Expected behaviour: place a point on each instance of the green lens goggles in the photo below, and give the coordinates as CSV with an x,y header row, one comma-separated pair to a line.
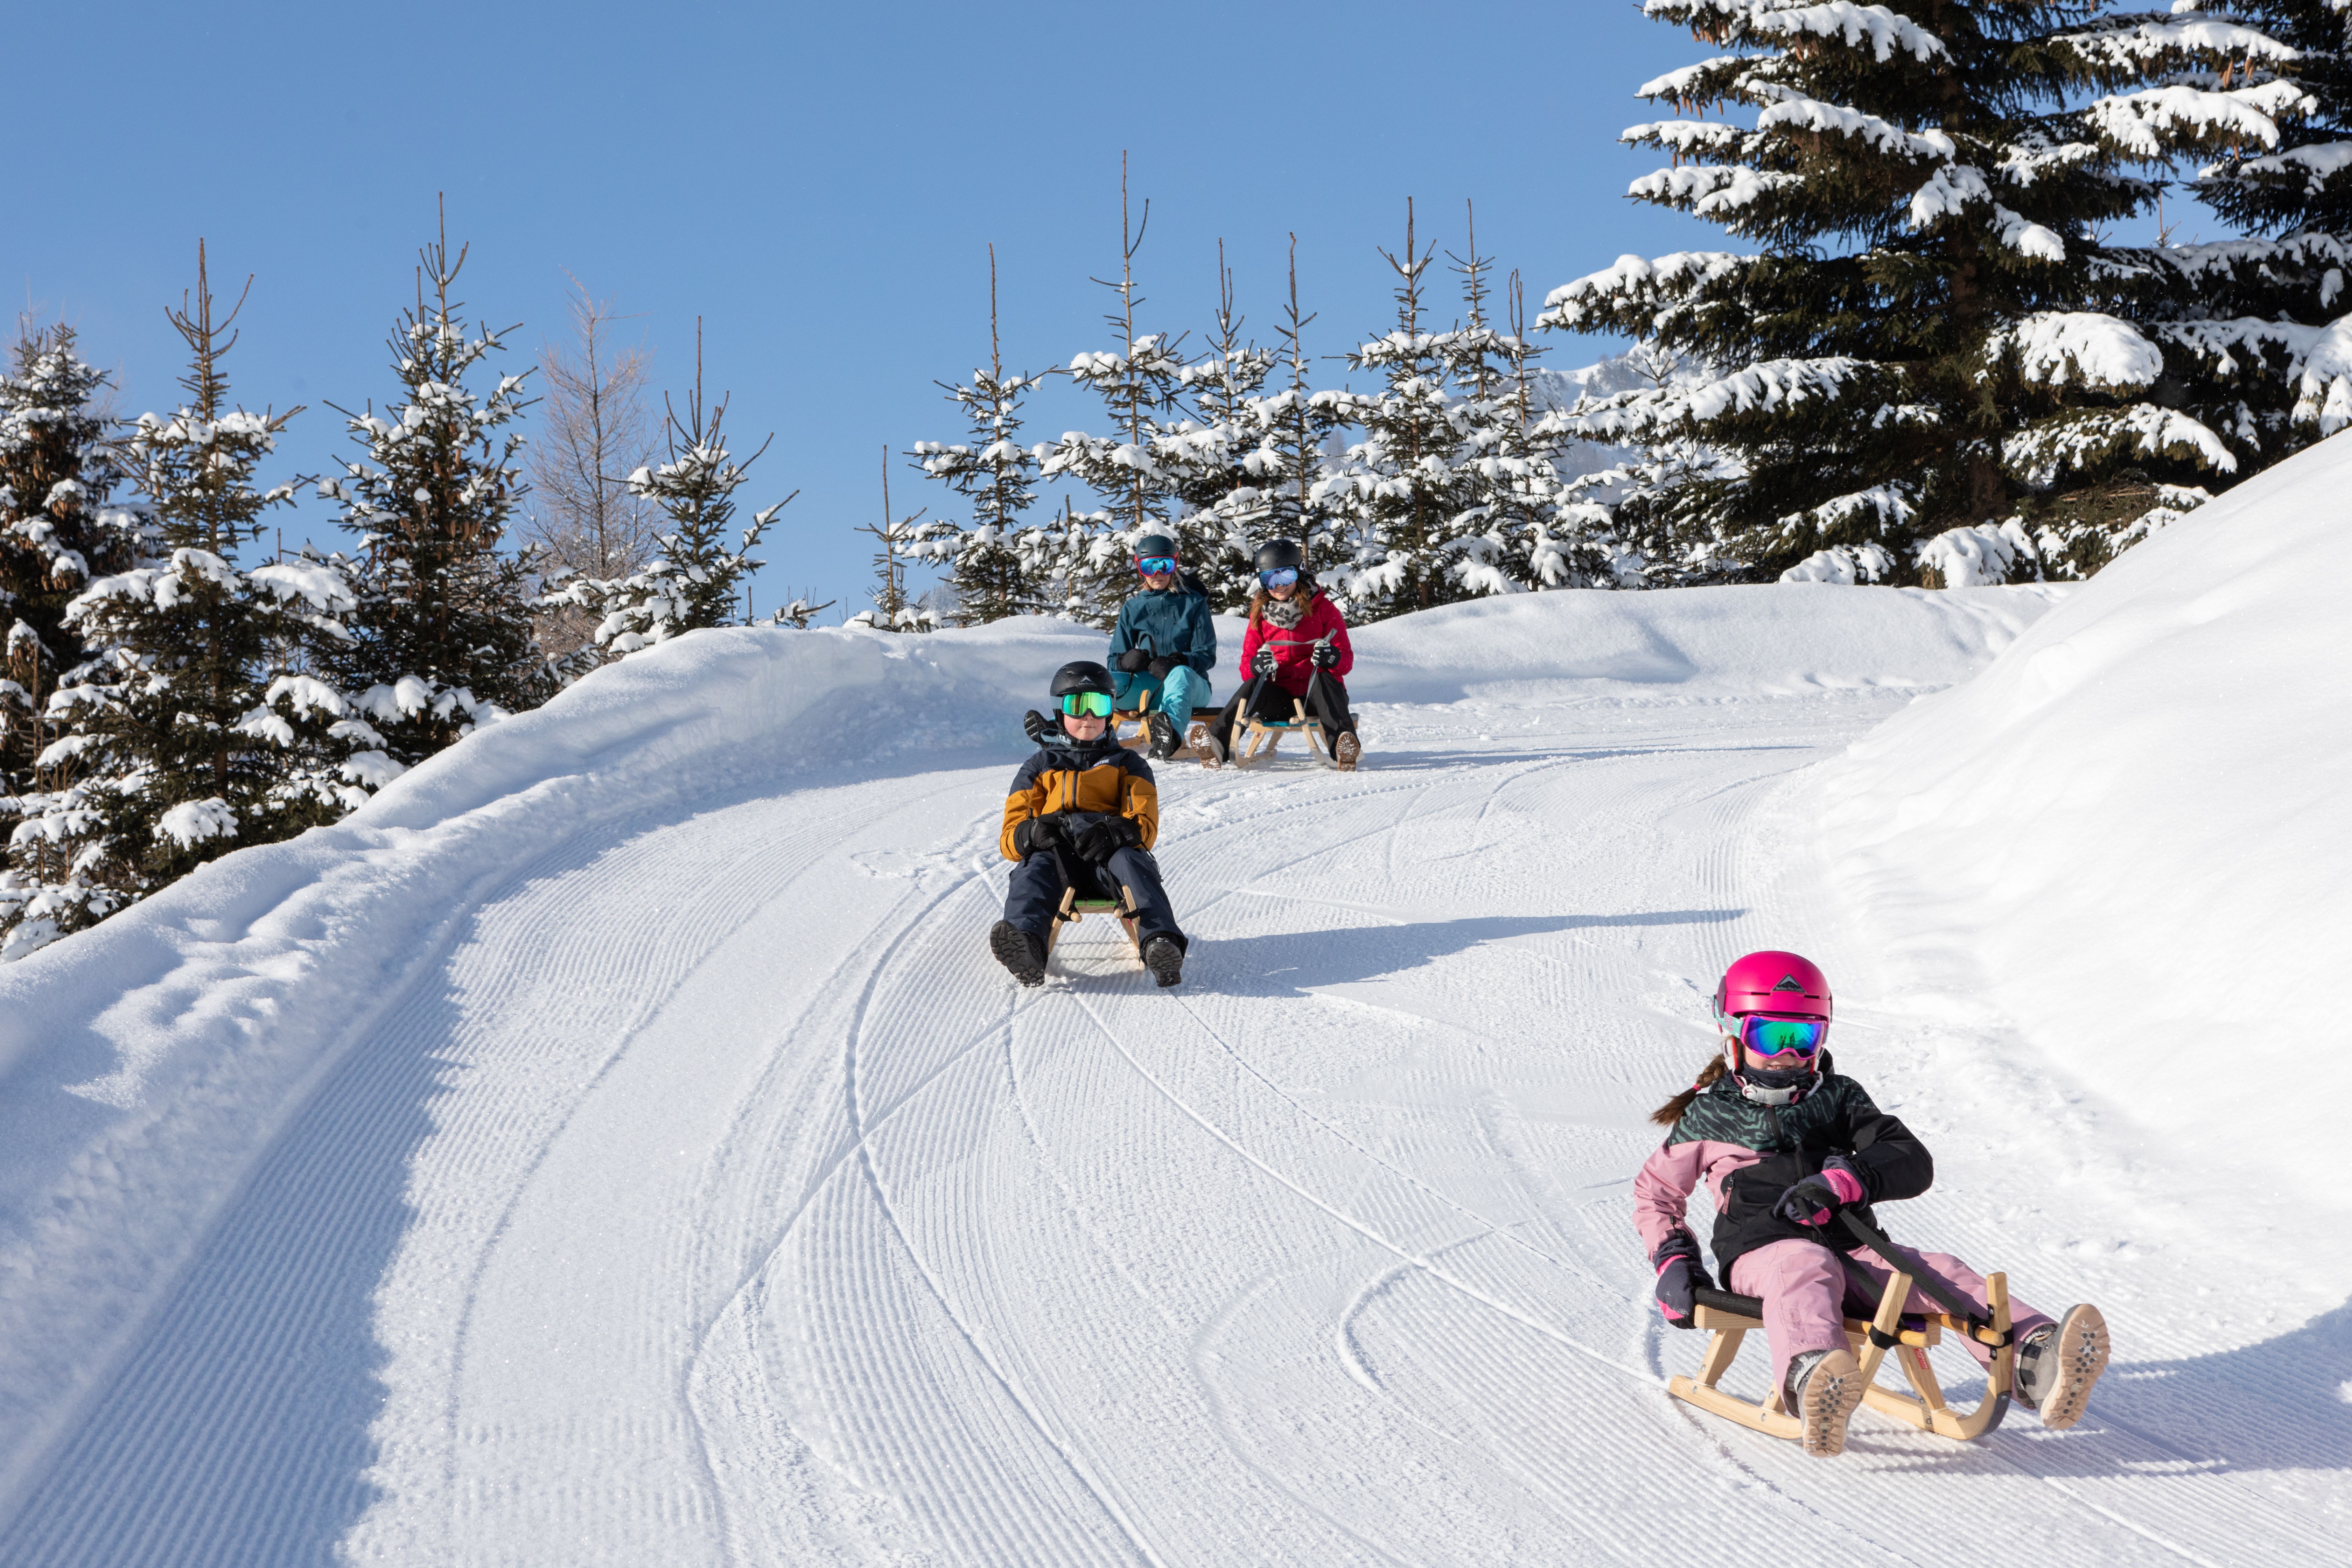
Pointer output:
x,y
1086,705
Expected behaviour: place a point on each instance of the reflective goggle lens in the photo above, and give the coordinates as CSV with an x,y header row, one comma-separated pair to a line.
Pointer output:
x,y
1155,565
1773,1037
1282,578
1086,705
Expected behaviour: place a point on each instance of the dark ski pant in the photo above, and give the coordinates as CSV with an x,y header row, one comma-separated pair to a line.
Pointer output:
x,y
1037,884
1326,704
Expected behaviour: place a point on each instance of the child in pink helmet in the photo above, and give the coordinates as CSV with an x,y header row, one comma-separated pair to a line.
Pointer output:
x,y
1783,1143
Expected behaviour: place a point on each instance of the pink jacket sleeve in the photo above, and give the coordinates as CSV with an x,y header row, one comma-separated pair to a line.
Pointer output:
x,y
1661,1192
1338,629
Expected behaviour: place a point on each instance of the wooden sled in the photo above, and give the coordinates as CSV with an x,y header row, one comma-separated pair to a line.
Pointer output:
x,y
1075,908
1254,740
1909,1336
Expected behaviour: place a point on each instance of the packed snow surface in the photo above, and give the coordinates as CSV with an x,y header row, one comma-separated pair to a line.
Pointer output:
x,y
615,1145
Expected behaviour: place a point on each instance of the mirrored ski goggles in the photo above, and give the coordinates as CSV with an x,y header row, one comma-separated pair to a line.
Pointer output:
x,y
1281,578
1775,1036
1155,565
1087,705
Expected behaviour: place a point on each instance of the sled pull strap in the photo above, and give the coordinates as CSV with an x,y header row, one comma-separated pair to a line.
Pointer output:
x,y
1870,1236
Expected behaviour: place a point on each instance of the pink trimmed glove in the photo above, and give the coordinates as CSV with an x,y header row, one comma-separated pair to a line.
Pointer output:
x,y
1680,1273
1813,1200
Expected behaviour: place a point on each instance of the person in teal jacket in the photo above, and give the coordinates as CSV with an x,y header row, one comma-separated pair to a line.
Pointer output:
x,y
1164,644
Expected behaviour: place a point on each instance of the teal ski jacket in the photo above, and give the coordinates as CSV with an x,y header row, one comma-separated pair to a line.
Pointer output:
x,y
1173,622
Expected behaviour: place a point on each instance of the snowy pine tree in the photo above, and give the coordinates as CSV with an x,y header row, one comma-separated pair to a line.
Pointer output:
x,y
1935,364
996,566
442,637
1291,428
57,469
1228,508
1139,471
698,577
188,733
1413,529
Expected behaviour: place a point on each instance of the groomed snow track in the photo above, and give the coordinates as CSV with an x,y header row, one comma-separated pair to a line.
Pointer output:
x,y
634,1156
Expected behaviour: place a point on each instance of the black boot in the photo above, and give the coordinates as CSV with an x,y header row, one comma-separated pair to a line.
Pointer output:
x,y
1163,735
1164,956
1019,952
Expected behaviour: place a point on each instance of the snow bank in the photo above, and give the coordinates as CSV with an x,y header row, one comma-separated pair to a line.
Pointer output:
x,y
2129,835
1773,638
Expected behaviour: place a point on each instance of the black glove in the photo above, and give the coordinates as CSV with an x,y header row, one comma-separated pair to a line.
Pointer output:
x,y
1134,659
1818,1197
1040,834
1159,667
1680,1274
1264,663
1034,724
1326,656
1099,841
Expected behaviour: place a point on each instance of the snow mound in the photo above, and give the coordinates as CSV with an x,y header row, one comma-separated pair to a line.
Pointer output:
x,y
1773,638
2127,834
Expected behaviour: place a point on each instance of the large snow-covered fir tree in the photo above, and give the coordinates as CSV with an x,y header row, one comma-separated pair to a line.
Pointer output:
x,y
190,730
996,566
1935,369
442,638
57,469
696,581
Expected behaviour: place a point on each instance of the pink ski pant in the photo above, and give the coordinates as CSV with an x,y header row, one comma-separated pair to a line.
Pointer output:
x,y
1807,1294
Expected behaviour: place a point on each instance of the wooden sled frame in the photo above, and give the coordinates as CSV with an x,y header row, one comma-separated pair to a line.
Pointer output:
x,y
1909,1337
1075,910
1249,734
1140,717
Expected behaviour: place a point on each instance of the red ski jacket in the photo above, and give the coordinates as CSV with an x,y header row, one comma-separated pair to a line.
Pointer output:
x,y
1294,647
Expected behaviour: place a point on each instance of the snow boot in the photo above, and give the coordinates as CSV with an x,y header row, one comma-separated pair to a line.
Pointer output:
x,y
1824,1388
1163,735
2057,1365
1164,956
1209,742
1345,750
1019,952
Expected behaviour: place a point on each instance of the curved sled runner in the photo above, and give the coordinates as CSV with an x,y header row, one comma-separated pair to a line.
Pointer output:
x,y
1908,1335
1254,740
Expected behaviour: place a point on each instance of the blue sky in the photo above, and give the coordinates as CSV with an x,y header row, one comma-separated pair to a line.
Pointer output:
x,y
819,183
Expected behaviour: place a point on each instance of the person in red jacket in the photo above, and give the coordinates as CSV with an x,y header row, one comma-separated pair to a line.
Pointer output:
x,y
1296,646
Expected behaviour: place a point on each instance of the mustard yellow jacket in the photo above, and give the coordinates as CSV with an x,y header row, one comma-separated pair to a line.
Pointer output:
x,y
1089,778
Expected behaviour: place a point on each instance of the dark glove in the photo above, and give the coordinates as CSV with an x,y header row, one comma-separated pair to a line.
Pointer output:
x,y
1680,1274
1040,833
1262,664
1326,656
1099,841
1818,1197
1034,724
1134,659
1159,667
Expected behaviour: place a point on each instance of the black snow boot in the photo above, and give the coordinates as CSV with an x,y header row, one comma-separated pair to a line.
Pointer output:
x,y
1163,736
1019,952
1164,956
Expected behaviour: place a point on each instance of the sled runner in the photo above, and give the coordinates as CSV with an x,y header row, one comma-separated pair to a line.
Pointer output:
x,y
1242,747
1908,1336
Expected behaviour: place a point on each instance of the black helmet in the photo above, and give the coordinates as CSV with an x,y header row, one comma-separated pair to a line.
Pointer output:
x,y
1155,544
1277,553
1082,675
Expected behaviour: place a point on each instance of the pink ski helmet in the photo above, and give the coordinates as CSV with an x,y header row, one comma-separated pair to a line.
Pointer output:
x,y
1783,985
1773,982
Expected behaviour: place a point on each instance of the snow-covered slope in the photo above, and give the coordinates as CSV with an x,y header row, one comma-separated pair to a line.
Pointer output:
x,y
2131,834
614,1145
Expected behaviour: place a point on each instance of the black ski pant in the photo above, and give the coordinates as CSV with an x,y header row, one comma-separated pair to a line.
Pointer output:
x,y
1326,704
1037,883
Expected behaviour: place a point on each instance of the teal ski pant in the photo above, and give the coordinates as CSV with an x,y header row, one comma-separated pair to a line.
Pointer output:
x,y
1182,689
